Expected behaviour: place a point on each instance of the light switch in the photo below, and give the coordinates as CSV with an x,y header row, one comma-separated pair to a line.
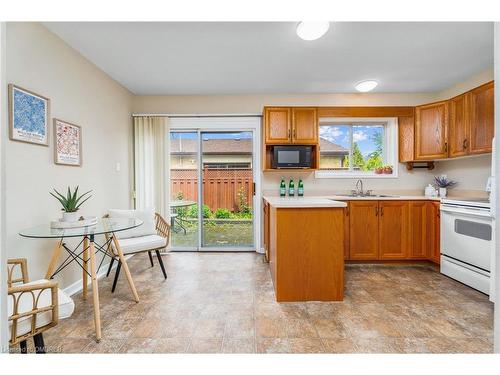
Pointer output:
x,y
118,166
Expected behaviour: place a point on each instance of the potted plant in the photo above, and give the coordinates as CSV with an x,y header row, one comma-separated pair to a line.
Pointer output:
x,y
443,183
387,169
71,203
379,170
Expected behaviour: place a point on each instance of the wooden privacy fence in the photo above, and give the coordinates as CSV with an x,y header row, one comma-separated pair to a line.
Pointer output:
x,y
220,186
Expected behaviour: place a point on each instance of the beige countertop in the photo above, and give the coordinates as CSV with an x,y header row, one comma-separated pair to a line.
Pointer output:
x,y
334,200
306,202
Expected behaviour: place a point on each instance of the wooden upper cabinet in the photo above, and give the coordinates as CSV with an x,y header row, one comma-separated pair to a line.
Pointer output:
x,y
431,131
277,125
393,229
304,125
419,231
363,226
459,126
481,120
406,138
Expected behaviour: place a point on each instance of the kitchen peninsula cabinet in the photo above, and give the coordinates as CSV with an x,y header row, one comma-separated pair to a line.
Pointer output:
x,y
306,249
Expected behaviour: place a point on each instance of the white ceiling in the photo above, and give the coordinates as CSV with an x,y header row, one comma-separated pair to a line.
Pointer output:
x,y
256,57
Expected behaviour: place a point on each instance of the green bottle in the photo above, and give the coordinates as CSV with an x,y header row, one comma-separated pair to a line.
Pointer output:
x,y
300,189
282,188
291,188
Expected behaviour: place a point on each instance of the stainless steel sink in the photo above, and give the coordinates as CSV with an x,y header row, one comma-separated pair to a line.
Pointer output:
x,y
369,196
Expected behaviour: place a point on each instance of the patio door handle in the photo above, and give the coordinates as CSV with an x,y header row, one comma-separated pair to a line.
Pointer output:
x,y
253,188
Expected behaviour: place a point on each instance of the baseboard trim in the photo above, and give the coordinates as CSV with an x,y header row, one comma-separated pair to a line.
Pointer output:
x,y
77,286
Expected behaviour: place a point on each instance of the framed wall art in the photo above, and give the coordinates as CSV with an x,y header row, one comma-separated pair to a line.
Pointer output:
x,y
29,115
67,143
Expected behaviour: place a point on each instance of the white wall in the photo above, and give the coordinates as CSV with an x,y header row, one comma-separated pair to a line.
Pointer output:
x,y
82,94
471,173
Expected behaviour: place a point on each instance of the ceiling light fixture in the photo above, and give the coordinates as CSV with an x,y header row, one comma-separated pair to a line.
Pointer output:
x,y
312,30
365,86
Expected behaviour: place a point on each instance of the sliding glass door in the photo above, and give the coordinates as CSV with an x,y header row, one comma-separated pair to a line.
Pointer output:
x,y
212,190
184,172
227,190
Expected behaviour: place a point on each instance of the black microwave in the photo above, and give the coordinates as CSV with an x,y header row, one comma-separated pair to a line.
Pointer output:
x,y
292,156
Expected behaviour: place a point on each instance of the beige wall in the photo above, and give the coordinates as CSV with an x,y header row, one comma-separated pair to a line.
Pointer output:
x,y
471,173
82,94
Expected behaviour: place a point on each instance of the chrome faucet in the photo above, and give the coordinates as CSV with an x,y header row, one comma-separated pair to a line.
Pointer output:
x,y
359,188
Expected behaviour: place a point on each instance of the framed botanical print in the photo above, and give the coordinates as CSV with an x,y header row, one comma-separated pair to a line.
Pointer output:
x,y
29,115
67,143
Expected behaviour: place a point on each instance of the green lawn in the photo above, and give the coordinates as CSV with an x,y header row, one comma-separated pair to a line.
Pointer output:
x,y
236,234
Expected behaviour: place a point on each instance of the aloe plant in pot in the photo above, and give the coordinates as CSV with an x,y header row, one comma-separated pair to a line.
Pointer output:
x,y
71,203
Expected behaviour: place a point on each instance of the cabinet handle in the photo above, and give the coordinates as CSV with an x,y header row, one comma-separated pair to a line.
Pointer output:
x,y
464,145
294,133
381,211
376,211
446,147
289,134
347,211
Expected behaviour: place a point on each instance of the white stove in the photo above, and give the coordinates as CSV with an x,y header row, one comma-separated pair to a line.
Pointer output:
x,y
483,203
467,241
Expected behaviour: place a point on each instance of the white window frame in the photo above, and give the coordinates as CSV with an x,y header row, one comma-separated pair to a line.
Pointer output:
x,y
390,149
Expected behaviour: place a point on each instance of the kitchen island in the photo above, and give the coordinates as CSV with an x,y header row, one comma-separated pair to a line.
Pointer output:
x,y
306,242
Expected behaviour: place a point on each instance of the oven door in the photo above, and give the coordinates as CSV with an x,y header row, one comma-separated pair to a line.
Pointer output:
x,y
466,235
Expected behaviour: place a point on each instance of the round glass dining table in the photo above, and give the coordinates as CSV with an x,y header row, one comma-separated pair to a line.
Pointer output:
x,y
103,226
85,252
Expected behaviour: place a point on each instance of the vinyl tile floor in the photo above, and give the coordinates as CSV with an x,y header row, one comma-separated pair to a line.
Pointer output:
x,y
225,303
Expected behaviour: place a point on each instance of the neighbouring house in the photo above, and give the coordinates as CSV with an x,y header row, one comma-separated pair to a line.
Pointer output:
x,y
333,156
227,153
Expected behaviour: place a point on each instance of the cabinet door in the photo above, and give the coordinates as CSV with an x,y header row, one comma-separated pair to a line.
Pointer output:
x,y
481,121
265,206
459,126
431,131
346,231
304,125
406,139
278,125
435,232
363,234
393,229
419,243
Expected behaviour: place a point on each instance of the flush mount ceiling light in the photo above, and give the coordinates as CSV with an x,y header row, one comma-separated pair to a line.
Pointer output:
x,y
312,30
365,86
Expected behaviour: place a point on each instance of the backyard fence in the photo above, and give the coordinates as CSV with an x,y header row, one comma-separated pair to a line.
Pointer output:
x,y
220,186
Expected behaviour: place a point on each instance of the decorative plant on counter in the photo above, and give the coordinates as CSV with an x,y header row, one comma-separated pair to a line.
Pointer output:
x,y
386,169
71,202
443,183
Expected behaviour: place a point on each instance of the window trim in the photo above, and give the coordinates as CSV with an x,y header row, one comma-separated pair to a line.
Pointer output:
x,y
391,146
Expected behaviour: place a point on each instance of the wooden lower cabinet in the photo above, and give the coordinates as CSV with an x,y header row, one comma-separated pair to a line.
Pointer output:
x,y
347,230
435,232
393,229
419,230
306,253
265,207
363,234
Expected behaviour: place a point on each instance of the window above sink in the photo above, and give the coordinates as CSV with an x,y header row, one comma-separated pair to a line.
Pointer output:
x,y
355,147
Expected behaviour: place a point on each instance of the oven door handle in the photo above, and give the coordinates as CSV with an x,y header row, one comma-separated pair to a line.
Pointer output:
x,y
467,211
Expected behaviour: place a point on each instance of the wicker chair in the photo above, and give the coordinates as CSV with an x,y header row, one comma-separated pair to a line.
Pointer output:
x,y
143,244
33,307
